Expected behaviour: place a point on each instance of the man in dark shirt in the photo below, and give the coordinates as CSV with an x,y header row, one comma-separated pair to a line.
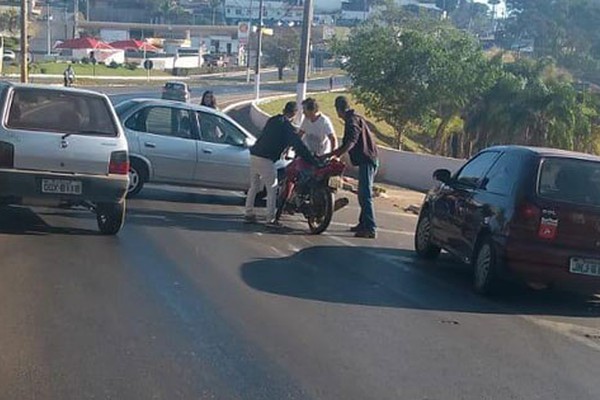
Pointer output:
x,y
360,144
277,135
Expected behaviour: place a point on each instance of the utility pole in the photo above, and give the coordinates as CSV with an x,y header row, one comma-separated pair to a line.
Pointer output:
x,y
248,45
48,28
24,44
258,51
304,52
75,18
87,10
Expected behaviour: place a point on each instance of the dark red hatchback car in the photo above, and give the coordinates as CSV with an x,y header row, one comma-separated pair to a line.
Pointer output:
x,y
518,212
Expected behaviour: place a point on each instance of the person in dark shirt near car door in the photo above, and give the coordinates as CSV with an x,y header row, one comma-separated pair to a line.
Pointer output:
x,y
360,144
277,135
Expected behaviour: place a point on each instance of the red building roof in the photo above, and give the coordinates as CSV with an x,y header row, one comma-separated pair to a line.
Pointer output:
x,y
84,43
133,44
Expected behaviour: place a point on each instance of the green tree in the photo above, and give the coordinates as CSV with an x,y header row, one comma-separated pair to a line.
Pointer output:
x,y
531,105
9,21
472,16
404,74
282,49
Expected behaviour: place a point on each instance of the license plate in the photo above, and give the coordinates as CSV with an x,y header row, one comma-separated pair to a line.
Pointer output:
x,y
585,266
61,186
335,182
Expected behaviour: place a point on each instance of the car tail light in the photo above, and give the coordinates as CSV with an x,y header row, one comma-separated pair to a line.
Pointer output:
x,y
7,155
527,216
529,212
119,163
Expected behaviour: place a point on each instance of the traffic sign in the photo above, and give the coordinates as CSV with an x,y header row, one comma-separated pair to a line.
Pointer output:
x,y
148,65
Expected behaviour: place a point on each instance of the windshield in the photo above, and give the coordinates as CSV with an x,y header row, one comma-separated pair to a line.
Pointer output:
x,y
570,180
175,86
61,112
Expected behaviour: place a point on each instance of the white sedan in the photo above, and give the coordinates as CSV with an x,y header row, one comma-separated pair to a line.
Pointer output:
x,y
180,143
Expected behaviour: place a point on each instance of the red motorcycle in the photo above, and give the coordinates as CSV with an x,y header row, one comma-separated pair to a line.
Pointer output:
x,y
311,191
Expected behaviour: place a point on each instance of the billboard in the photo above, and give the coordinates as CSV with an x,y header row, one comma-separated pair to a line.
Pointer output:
x,y
243,32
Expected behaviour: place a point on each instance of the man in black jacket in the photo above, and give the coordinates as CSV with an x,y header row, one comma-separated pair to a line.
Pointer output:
x,y
360,144
277,135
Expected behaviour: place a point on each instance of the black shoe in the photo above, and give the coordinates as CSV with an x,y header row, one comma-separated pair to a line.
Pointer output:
x,y
366,234
356,228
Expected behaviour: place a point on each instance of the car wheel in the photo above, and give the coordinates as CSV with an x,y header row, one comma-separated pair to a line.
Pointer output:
x,y
110,217
137,178
423,244
485,268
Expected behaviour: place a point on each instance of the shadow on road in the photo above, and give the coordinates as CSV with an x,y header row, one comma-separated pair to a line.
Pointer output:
x,y
384,277
24,221
187,196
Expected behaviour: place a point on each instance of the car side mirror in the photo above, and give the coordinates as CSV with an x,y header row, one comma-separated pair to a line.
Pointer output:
x,y
442,175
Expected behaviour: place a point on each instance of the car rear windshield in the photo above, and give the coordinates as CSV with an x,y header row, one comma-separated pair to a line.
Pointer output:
x,y
175,86
61,112
570,180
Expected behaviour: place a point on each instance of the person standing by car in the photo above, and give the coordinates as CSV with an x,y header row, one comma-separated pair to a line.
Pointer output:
x,y
277,135
317,131
360,144
209,100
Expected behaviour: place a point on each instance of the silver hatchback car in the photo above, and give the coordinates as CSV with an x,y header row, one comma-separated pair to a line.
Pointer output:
x,y
181,143
63,147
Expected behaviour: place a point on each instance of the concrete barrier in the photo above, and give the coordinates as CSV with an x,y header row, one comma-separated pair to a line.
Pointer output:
x,y
412,170
258,117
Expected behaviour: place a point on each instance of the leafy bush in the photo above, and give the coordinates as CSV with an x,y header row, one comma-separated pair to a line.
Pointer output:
x,y
113,65
86,60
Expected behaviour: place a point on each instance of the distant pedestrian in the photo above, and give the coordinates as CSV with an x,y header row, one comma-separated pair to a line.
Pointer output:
x,y
360,144
277,135
69,76
209,100
331,83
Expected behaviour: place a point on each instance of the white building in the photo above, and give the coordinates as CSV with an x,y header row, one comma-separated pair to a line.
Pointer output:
x,y
274,11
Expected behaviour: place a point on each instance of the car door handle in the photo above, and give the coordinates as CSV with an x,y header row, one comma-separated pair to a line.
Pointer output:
x,y
150,144
207,151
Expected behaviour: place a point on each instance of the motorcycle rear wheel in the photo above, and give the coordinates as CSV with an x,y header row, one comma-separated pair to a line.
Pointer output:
x,y
321,204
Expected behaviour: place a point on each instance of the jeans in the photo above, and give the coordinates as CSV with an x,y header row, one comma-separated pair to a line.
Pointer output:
x,y
366,175
262,172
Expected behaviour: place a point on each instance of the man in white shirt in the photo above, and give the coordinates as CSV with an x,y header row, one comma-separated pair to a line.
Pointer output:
x,y
316,130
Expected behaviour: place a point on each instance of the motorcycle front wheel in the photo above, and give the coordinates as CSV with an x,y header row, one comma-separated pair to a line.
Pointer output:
x,y
321,205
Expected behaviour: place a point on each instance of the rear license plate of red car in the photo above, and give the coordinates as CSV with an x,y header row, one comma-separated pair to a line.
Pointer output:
x,y
585,266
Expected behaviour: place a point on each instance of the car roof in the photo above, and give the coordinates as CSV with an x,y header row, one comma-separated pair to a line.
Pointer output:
x,y
52,88
191,106
546,152
175,83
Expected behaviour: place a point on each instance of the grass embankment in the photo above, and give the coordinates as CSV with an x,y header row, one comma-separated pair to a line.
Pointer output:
x,y
384,133
53,68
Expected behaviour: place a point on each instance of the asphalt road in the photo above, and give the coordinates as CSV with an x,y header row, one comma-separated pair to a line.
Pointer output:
x,y
226,89
189,303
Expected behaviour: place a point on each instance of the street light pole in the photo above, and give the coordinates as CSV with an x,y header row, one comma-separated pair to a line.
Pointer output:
x,y
258,51
248,45
304,51
24,44
48,28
